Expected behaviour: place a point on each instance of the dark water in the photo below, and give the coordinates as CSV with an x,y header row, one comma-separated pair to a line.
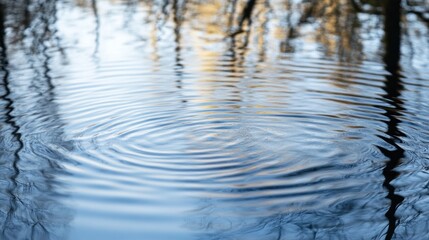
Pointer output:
x,y
214,120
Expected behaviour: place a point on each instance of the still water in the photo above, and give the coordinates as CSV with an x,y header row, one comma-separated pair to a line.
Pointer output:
x,y
213,120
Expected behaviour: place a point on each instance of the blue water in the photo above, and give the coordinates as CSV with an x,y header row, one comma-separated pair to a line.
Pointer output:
x,y
184,120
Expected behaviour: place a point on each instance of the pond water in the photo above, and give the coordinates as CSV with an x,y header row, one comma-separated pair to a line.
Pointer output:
x,y
213,120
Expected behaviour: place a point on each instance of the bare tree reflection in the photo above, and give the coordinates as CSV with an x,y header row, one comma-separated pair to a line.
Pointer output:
x,y
97,26
339,31
393,87
245,16
30,208
11,205
28,204
178,15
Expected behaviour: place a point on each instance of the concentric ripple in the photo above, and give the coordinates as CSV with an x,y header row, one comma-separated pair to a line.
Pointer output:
x,y
153,121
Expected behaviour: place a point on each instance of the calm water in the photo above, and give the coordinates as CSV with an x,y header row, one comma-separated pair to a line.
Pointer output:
x,y
185,120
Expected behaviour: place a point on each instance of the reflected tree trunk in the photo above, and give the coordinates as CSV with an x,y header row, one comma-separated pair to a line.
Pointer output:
x,y
392,37
8,225
178,17
28,209
247,13
246,16
97,26
393,88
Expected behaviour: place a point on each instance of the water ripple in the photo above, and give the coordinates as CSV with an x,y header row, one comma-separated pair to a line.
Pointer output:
x,y
147,122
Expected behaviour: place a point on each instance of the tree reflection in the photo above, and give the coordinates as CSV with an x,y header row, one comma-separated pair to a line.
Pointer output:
x,y
245,28
393,87
339,31
30,206
97,26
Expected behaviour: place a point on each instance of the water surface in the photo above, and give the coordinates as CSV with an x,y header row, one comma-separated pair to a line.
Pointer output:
x,y
213,120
